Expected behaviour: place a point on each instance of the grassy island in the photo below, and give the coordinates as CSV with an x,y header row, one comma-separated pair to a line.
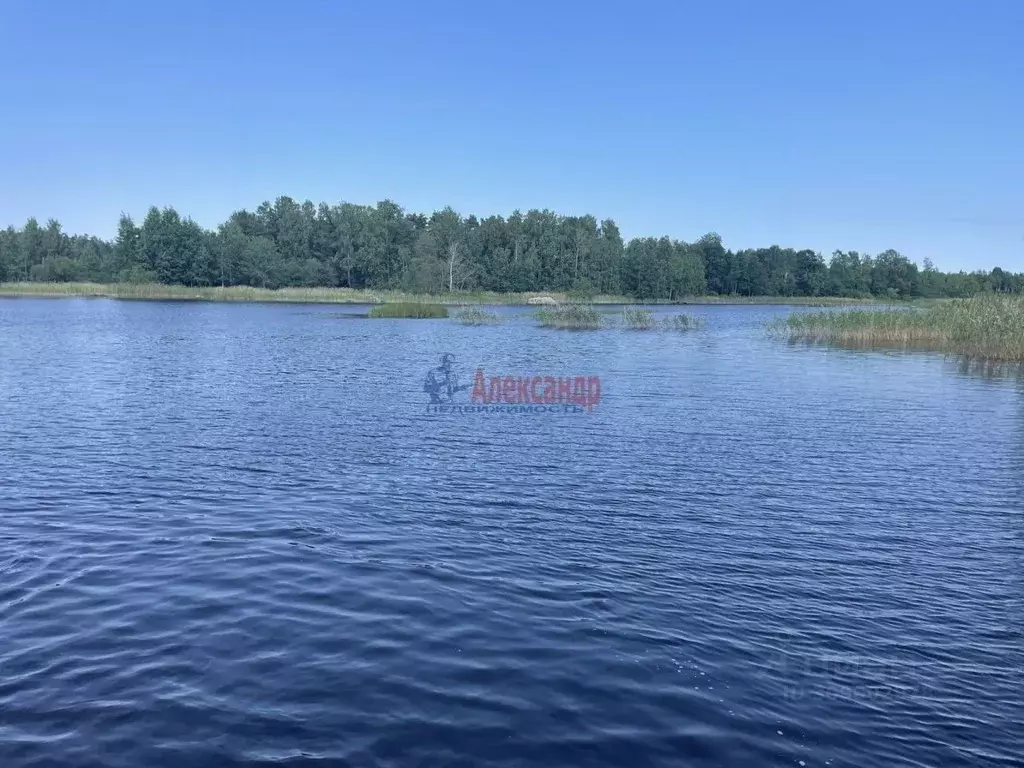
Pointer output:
x,y
570,317
409,309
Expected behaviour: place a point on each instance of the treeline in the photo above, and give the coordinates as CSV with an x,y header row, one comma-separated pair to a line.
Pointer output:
x,y
286,243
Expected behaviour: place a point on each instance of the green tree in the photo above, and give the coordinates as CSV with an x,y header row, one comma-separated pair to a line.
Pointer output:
x,y
53,242
932,282
31,251
126,247
894,275
811,273
382,246
606,272
717,261
10,254
751,276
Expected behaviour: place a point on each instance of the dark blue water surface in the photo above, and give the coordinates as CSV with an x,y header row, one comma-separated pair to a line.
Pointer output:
x,y
233,535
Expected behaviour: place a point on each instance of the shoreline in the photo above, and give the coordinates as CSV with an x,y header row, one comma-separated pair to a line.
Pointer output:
x,y
246,294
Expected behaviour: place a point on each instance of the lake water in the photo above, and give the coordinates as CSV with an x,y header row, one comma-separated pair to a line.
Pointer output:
x,y
233,535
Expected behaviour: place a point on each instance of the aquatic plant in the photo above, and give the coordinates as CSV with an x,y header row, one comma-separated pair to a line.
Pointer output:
x,y
409,309
143,288
681,322
477,316
988,327
638,319
577,317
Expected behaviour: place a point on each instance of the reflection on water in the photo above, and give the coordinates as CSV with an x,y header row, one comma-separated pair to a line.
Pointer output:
x,y
988,369
965,366
234,535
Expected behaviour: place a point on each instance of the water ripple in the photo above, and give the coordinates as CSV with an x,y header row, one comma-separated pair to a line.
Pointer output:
x,y
232,538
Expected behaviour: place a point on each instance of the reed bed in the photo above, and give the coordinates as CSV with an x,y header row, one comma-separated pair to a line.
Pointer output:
x,y
796,301
638,319
572,317
477,316
988,327
409,309
681,322
588,317
161,291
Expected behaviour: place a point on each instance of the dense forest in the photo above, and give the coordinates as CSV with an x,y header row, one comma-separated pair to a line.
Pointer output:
x,y
286,243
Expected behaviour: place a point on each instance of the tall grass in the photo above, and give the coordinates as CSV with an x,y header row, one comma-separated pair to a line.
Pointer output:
x,y
989,327
477,316
575,317
682,322
159,291
638,319
409,309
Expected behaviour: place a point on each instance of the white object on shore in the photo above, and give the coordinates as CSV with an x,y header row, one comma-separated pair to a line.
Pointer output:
x,y
541,300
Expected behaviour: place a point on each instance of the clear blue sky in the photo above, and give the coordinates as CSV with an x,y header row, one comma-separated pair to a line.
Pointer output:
x,y
855,125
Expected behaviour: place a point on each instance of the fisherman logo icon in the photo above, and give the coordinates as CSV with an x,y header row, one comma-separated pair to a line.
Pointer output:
x,y
442,382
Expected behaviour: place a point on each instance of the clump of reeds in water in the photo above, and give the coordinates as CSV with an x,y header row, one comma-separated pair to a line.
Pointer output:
x,y
410,309
638,319
574,317
681,322
988,327
477,316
